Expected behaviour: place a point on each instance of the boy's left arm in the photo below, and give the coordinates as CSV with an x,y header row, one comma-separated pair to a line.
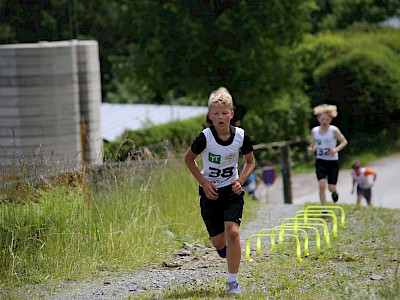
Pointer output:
x,y
342,142
371,172
248,168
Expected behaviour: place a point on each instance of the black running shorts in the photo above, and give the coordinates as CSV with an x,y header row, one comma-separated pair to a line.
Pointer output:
x,y
228,207
327,168
366,193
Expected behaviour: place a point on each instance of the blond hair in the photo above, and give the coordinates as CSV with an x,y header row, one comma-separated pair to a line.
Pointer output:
x,y
330,110
221,96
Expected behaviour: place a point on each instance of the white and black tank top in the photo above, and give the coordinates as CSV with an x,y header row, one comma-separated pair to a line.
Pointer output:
x,y
325,142
220,158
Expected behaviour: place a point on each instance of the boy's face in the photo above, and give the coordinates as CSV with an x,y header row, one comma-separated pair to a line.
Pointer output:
x,y
357,170
220,115
324,119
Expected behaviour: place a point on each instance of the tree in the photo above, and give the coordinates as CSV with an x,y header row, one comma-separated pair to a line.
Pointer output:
x,y
340,14
171,49
188,48
356,71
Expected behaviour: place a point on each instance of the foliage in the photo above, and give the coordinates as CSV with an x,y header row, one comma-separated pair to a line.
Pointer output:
x,y
245,48
244,44
355,71
339,14
178,51
287,119
130,219
176,134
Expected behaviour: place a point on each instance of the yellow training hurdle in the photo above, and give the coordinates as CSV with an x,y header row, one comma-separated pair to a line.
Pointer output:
x,y
318,213
272,235
304,219
331,207
295,223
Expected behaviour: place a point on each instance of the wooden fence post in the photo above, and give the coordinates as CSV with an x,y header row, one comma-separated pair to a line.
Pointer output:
x,y
285,163
286,172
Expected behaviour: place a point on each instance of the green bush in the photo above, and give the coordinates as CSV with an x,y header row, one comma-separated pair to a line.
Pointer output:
x,y
356,72
159,139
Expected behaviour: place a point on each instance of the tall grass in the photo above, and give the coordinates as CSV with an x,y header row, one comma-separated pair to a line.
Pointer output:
x,y
129,217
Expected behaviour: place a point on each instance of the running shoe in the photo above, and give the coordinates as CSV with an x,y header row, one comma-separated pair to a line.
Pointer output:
x,y
232,288
335,197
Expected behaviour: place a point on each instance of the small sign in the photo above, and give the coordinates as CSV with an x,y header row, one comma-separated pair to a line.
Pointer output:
x,y
269,175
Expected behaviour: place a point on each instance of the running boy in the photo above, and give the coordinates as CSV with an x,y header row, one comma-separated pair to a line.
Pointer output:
x,y
221,192
364,185
324,143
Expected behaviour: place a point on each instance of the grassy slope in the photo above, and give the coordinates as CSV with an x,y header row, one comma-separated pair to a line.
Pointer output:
x,y
363,263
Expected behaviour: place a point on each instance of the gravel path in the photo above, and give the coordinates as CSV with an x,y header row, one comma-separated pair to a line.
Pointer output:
x,y
193,264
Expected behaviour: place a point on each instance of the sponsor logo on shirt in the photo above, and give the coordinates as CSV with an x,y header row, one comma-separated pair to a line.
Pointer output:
x,y
230,157
214,158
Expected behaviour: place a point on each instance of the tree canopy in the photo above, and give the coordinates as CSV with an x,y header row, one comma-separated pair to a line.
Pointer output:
x,y
278,58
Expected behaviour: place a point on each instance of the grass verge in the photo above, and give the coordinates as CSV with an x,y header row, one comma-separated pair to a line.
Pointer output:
x,y
363,263
131,218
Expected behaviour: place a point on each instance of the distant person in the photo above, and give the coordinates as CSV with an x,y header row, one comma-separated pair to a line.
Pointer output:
x,y
221,186
361,176
327,141
251,184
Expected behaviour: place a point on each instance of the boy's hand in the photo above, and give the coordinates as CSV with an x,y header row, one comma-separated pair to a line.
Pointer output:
x,y
310,150
237,187
333,151
210,190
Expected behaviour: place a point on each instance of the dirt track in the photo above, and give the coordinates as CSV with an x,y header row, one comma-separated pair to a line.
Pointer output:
x,y
386,192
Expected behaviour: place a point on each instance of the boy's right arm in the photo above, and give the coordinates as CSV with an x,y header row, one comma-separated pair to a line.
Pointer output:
x,y
353,182
311,148
209,189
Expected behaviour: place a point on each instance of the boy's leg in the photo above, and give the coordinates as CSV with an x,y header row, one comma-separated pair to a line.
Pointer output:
x,y
360,194
322,188
333,175
321,171
213,214
219,242
367,195
233,211
359,198
232,233
332,189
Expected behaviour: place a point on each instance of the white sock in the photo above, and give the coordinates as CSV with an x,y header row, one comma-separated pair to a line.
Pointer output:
x,y
232,277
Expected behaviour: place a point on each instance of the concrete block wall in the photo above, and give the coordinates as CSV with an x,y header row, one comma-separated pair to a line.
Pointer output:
x,y
48,90
90,99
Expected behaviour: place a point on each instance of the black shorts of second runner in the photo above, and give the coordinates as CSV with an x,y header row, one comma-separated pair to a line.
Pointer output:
x,y
366,193
228,207
327,168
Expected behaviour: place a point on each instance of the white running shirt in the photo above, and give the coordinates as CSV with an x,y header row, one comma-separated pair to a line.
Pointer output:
x,y
362,178
325,142
220,158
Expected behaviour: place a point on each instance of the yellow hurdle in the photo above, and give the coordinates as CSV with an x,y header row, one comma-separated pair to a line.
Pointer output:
x,y
342,215
306,253
272,235
299,219
317,213
292,227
